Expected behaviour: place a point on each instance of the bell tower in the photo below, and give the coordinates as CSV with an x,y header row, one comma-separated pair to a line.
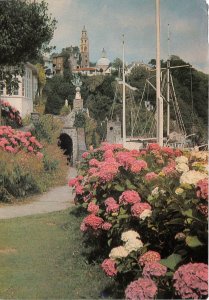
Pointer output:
x,y
84,48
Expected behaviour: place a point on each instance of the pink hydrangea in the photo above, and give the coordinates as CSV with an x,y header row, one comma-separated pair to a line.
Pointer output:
x,y
129,197
138,165
93,171
106,226
167,150
93,208
94,162
141,289
203,209
191,281
85,154
83,227
107,171
39,155
79,189
177,152
72,182
149,256
153,147
154,269
169,169
109,267
108,154
151,176
93,221
138,208
202,189
105,146
111,205
125,159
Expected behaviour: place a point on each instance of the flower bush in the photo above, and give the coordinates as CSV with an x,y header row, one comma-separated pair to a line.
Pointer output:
x,y
26,166
14,141
154,202
10,115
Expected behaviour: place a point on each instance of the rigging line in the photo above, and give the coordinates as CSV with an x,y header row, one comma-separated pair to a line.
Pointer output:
x,y
113,104
147,122
191,92
140,103
180,115
177,108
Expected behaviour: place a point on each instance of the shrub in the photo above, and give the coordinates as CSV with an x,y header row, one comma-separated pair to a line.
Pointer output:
x,y
47,129
148,212
10,115
24,170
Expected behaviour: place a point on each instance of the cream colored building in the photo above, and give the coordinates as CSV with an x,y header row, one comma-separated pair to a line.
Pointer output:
x,y
22,98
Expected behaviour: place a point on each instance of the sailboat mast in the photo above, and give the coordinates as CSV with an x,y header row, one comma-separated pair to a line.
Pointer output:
x,y
168,85
124,97
159,99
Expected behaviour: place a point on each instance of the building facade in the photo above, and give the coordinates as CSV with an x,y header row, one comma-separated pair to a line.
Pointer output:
x,y
22,98
84,49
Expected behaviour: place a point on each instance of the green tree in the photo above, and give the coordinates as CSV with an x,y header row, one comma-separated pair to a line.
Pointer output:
x,y
117,65
41,78
25,32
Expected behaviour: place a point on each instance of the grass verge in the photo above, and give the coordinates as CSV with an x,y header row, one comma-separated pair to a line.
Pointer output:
x,y
41,257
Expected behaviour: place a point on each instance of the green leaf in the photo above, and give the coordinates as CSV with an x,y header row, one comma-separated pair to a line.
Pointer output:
x,y
193,241
187,213
171,261
119,188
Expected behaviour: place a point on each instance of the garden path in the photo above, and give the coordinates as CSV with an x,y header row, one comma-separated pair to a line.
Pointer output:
x,y
56,199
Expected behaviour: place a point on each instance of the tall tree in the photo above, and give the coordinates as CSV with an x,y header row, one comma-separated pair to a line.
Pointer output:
x,y
25,32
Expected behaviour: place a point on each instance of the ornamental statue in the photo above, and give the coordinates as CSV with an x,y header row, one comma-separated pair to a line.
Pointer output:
x,y
76,81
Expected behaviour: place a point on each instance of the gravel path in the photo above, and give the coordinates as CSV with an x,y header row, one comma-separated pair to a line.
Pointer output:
x,y
56,199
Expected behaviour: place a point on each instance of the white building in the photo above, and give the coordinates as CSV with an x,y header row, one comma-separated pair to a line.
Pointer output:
x,y
22,98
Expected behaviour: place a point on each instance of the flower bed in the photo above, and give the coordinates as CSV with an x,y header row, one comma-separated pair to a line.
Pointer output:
x,y
14,141
147,210
10,115
26,166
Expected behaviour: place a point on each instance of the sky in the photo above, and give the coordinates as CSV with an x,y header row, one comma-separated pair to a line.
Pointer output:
x,y
107,20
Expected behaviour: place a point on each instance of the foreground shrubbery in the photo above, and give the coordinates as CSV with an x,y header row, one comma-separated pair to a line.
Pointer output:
x,y
26,165
147,213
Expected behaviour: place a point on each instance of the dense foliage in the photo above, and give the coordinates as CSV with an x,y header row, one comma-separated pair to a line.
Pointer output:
x,y
147,214
25,32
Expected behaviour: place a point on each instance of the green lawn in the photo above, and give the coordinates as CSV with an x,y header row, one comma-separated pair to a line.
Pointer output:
x,y
41,257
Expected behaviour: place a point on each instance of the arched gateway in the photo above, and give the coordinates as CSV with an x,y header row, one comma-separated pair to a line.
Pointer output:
x,y
72,139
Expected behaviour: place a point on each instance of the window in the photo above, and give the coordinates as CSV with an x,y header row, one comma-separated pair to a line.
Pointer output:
x,y
1,88
16,92
23,86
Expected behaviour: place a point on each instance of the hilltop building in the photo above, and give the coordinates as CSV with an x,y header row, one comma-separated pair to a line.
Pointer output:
x,y
103,63
84,49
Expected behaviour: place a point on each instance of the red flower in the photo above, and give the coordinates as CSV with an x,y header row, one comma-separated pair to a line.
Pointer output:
x,y
129,197
93,221
109,268
149,256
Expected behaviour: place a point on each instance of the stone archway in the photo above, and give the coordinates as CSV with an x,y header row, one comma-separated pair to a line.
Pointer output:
x,y
66,143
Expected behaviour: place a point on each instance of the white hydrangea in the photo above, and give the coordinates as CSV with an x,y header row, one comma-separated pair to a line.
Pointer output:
x,y
155,191
118,252
133,245
181,159
182,167
146,213
129,235
192,177
200,155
